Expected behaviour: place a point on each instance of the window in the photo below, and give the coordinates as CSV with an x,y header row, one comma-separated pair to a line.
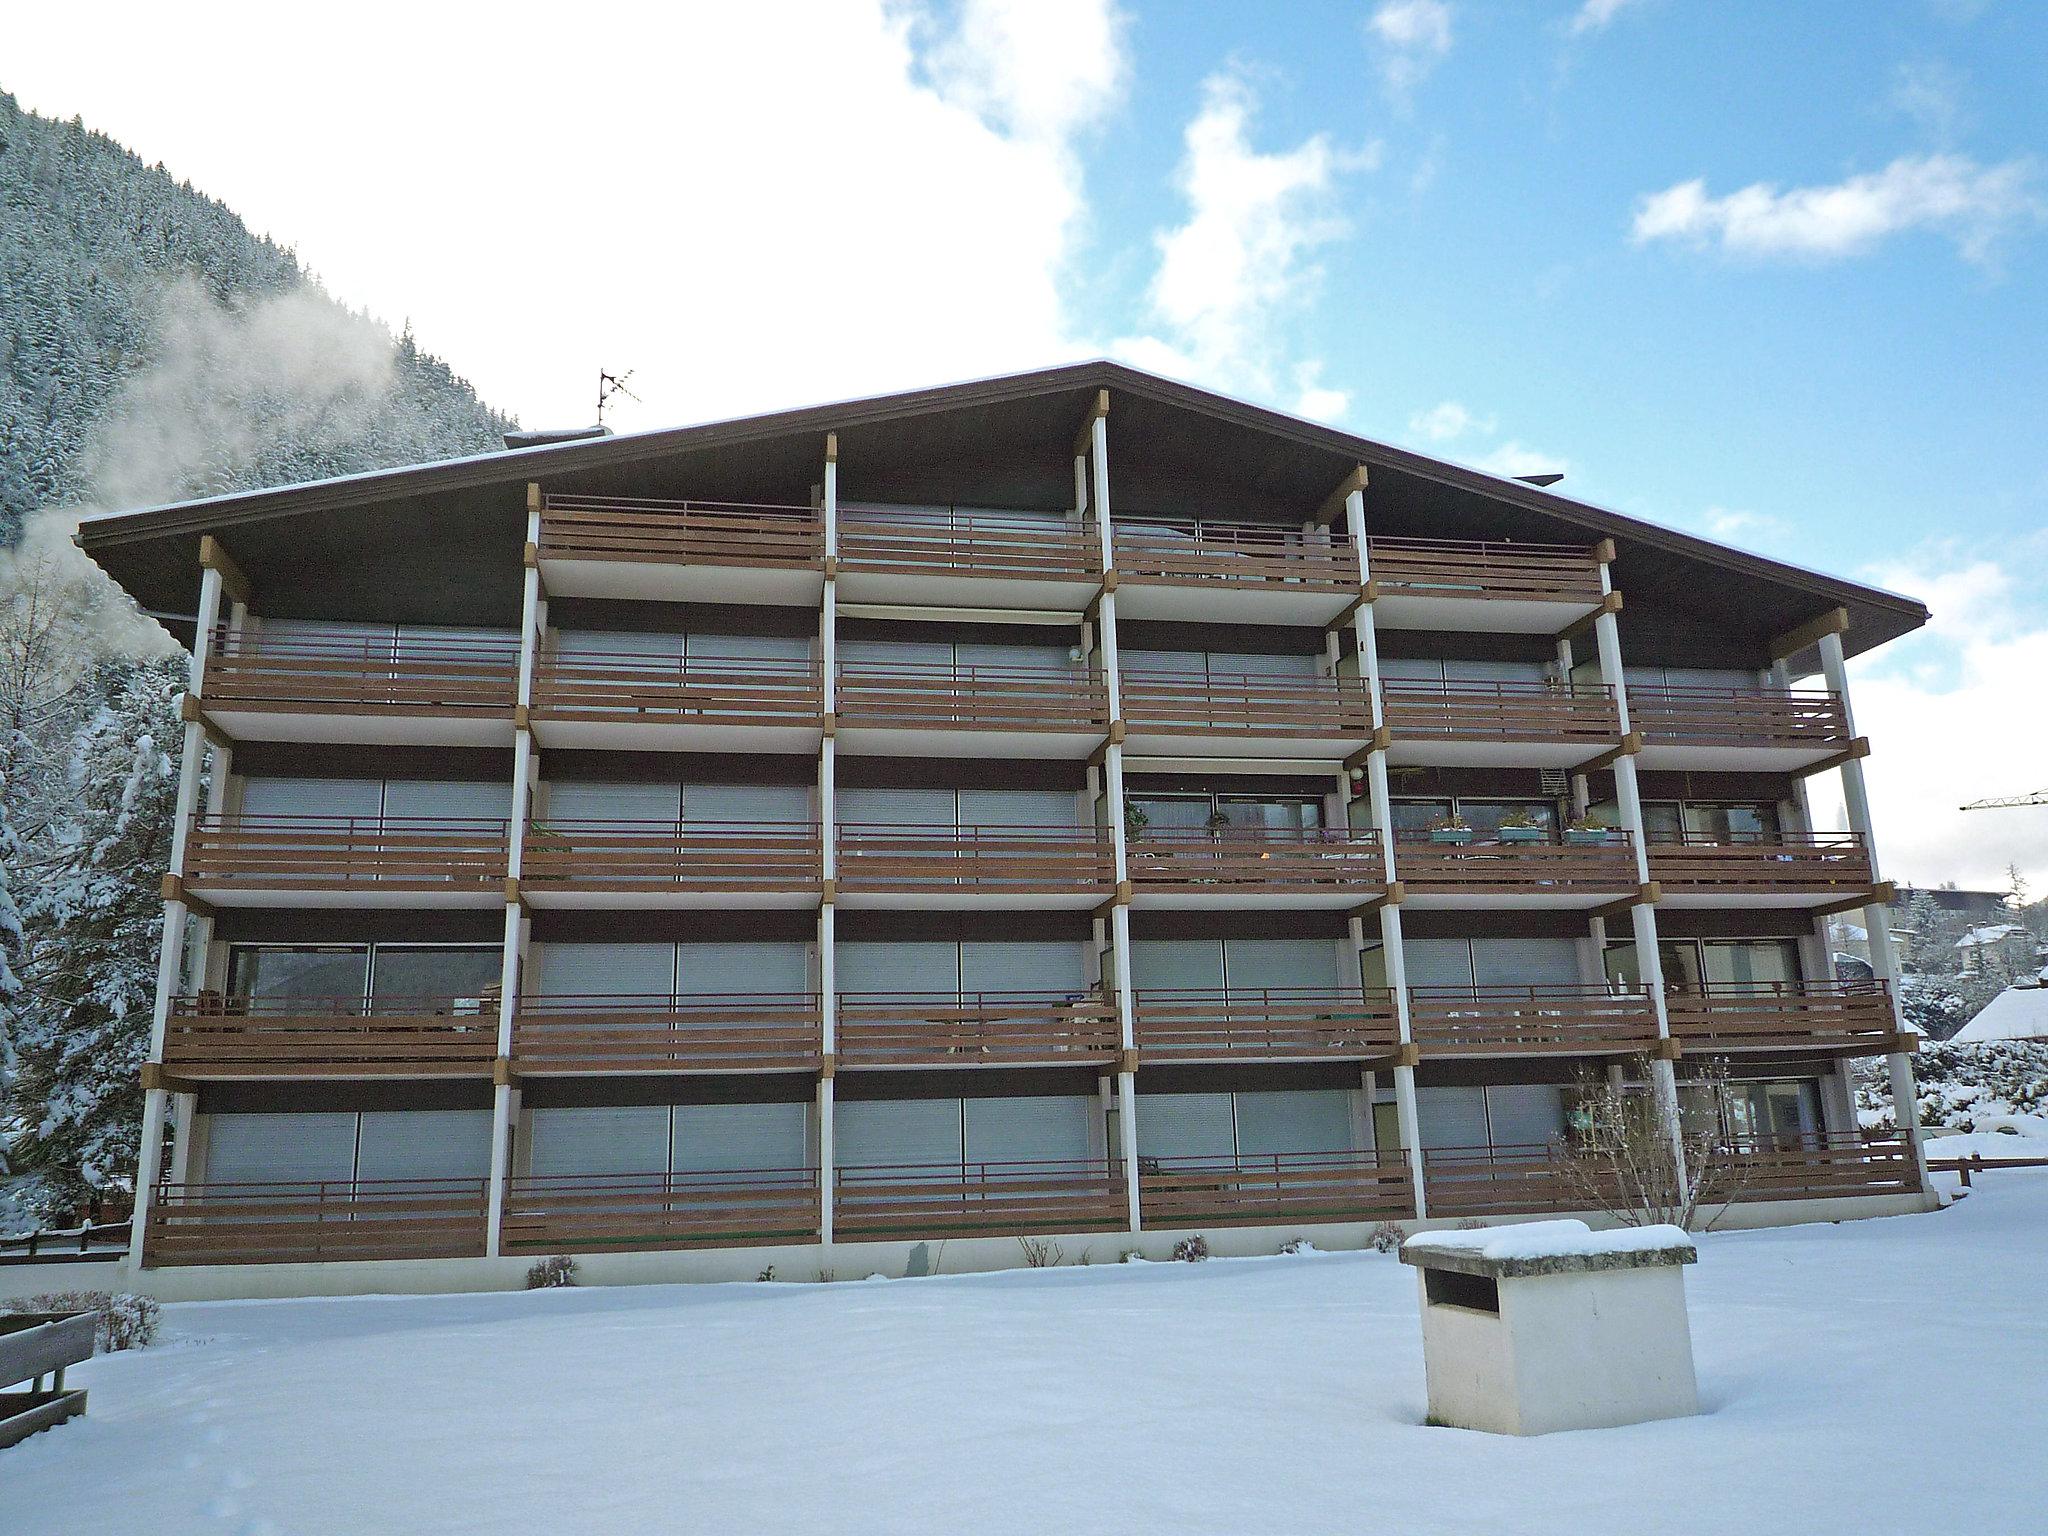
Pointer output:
x,y
355,972
1705,821
1277,814
1696,965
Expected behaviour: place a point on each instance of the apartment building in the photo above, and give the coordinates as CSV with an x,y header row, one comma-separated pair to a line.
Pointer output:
x,y
1067,806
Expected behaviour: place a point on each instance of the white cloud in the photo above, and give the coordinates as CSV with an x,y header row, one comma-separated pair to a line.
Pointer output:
x,y
1930,92
1443,422
1952,716
1315,399
1972,204
1412,36
1736,527
1241,266
1594,15
750,206
1514,458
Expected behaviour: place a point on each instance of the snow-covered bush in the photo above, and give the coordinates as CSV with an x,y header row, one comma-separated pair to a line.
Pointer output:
x,y
122,1320
1971,1087
1385,1237
1296,1247
549,1273
1191,1250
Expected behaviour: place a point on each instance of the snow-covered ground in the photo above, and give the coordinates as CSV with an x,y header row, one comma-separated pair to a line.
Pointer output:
x,y
1875,1376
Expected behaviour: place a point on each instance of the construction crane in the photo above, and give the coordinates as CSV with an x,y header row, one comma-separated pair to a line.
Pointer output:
x,y
2038,797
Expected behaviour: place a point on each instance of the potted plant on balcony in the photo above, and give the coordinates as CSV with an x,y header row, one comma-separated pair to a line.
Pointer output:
x,y
1585,832
1453,829
1522,826
1136,820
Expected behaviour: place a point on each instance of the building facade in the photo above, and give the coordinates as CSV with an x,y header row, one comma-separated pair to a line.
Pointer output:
x,y
1067,810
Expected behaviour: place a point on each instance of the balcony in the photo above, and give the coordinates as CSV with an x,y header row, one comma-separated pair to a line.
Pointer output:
x,y
883,865
214,1038
329,861
613,1213
342,685
981,559
672,864
906,709
1238,866
314,1221
681,551
586,1033
1783,870
1257,1189
976,1029
1435,873
1499,1181
916,1200
1852,1017
1530,1021
1211,1024
1484,723
1244,714
1500,587
1773,730
632,701
1233,572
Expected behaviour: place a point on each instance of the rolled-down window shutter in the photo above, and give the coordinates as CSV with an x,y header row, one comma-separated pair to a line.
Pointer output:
x,y
566,970
768,965
1438,962
1042,965
1282,963
660,803
1185,1125
924,969
621,650
280,1148
1526,962
746,803
1023,1130
453,799
875,1132
1163,965
908,808
1524,1115
1020,808
425,1144
743,1138
1451,1117
312,797
1294,1121
613,1139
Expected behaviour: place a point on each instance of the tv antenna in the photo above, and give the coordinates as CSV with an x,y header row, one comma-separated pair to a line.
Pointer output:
x,y
609,384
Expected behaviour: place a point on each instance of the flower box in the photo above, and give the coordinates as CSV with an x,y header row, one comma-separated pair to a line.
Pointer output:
x,y
1524,834
1586,837
1457,836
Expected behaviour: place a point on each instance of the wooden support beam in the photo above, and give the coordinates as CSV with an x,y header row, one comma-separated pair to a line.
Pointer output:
x,y
1367,596
1391,897
1834,622
1098,411
828,893
1409,1055
1667,1050
213,556
174,890
193,713
1127,1060
828,724
1857,749
1382,738
831,447
533,501
1122,898
1904,1040
530,556
156,1079
1648,894
1879,895
1603,552
1333,504
831,567
828,1066
1628,746
1610,602
505,1072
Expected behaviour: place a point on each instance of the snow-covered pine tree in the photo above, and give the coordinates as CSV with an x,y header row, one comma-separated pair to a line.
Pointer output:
x,y
92,923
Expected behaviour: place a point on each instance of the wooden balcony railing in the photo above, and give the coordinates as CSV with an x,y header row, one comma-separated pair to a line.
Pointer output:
x,y
947,543
1559,573
1246,703
415,854
1738,717
308,1221
343,673
1499,1181
1276,861
1782,1015
881,858
1251,1189
1263,1023
1508,869
900,1029
600,1213
1234,555
630,1032
1468,709
673,857
971,696
945,1199
216,1037
586,685
625,528
1782,864
1548,1020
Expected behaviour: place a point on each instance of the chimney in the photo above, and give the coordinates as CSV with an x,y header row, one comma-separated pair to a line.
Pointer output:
x,y
541,439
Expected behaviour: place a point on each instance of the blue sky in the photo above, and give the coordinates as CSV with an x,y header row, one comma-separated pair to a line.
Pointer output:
x,y
1770,272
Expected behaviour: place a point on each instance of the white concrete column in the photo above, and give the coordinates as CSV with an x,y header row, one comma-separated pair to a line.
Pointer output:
x,y
828,840
1877,917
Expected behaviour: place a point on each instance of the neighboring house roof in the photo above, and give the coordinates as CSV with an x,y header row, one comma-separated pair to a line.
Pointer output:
x,y
2017,1013
1195,452
1996,933
1949,899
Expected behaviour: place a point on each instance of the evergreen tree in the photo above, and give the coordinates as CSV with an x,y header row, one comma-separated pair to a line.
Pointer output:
x,y
93,923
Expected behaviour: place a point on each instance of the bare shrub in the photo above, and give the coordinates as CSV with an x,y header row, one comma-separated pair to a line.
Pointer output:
x,y
1041,1253
1385,1237
1191,1250
1624,1156
547,1274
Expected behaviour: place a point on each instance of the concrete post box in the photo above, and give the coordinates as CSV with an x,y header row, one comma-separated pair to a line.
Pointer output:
x,y
1550,1325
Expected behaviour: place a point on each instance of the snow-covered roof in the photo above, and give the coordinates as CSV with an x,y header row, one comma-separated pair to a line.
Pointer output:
x,y
1567,1238
1995,933
2017,1013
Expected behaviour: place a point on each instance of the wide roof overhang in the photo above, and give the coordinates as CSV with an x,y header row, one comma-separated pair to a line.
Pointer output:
x,y
429,543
